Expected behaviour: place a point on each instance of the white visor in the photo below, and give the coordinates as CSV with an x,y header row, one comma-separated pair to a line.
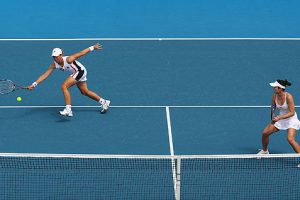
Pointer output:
x,y
56,52
276,84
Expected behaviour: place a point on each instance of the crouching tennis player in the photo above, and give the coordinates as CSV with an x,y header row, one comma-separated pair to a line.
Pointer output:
x,y
78,77
287,118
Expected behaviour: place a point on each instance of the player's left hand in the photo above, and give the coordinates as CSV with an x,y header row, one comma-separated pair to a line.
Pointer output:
x,y
98,46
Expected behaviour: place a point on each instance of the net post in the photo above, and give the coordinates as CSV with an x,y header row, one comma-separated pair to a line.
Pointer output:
x,y
177,196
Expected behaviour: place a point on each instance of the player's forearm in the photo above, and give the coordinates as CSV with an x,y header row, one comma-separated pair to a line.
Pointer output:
x,y
84,51
87,50
75,56
289,114
43,77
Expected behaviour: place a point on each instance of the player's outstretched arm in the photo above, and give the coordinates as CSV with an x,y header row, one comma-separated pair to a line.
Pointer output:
x,y
75,56
42,77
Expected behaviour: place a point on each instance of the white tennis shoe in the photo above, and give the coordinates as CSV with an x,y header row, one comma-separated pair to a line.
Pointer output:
x,y
66,112
105,107
262,152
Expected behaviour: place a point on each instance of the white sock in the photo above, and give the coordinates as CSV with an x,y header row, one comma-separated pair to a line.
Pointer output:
x,y
102,101
68,107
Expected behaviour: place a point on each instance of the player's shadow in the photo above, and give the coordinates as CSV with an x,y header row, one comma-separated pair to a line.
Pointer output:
x,y
76,111
59,118
28,114
51,113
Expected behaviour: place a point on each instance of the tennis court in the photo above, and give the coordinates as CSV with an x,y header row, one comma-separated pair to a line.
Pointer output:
x,y
189,89
181,102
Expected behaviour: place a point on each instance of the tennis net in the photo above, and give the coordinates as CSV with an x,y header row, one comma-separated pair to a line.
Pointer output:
x,y
60,176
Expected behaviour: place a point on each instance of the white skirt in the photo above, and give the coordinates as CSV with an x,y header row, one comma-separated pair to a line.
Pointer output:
x,y
291,122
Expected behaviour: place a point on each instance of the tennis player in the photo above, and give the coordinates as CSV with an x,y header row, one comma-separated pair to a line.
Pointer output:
x,y
78,77
287,118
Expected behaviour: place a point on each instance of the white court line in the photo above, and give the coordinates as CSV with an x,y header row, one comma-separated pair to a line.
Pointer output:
x,y
158,106
170,131
171,149
136,39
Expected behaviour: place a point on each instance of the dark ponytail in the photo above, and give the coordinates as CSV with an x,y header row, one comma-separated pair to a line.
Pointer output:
x,y
284,82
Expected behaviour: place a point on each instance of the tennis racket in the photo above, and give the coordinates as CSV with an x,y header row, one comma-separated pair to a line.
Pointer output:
x,y
8,86
273,108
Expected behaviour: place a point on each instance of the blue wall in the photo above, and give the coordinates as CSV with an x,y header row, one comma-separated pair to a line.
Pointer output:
x,y
149,18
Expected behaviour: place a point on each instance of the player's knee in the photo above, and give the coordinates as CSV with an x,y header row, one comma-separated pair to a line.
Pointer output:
x,y
265,133
84,92
64,87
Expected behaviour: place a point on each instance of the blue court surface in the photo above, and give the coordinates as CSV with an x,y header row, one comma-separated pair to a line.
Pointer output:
x,y
169,97
217,93
190,96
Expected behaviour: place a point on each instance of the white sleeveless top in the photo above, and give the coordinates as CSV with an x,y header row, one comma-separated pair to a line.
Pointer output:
x,y
72,68
291,122
283,109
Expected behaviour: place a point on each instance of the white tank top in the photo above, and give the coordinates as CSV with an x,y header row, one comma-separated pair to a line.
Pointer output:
x,y
284,108
71,68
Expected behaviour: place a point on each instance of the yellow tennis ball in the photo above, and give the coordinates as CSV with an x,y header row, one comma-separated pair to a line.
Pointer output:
x,y
19,99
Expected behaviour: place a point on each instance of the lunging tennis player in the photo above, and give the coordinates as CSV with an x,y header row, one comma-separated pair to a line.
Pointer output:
x,y
78,76
287,118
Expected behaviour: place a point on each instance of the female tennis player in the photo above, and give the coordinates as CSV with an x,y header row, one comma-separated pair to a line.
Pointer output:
x,y
78,77
287,118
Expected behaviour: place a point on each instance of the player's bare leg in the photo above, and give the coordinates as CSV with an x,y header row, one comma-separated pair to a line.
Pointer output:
x,y
82,86
291,139
69,82
269,130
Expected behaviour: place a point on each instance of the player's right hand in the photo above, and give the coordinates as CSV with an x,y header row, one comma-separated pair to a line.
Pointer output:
x,y
275,119
31,87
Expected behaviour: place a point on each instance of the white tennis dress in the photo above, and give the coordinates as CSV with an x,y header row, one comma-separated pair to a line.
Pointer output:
x,y
291,122
76,69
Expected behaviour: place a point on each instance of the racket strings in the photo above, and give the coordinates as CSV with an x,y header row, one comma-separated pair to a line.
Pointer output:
x,y
6,87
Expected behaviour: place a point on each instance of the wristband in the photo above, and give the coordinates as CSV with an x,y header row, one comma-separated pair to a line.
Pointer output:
x,y
91,48
34,84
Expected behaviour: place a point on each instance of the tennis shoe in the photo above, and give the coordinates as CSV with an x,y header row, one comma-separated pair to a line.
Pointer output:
x,y
262,152
105,107
66,112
